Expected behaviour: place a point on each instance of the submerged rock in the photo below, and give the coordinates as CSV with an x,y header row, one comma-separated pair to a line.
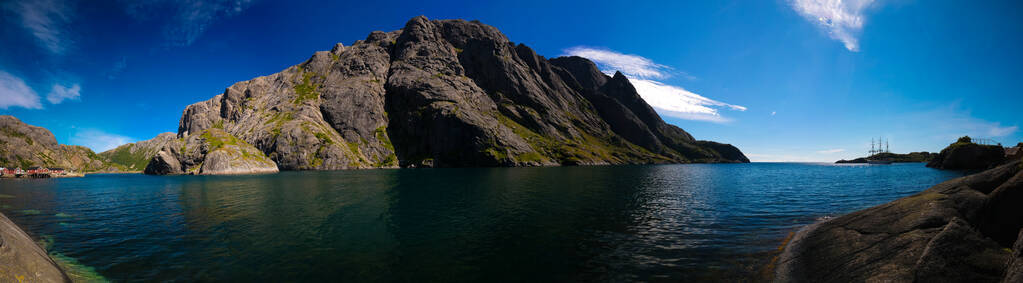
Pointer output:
x,y
960,231
210,152
445,93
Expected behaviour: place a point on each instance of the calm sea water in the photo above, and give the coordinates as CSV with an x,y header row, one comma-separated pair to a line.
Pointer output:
x,y
665,222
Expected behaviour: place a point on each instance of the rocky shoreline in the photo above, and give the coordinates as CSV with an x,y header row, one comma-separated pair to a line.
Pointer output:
x,y
22,260
962,230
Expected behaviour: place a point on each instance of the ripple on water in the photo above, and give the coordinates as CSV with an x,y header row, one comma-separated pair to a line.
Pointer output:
x,y
717,222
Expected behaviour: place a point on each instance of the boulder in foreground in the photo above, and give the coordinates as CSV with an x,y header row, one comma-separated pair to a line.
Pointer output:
x,y
962,230
21,260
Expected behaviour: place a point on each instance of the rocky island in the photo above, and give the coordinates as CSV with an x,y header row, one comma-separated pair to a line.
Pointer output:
x,y
443,93
912,157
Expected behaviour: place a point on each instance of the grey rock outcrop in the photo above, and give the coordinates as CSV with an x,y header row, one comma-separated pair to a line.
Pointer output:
x,y
210,152
135,156
21,260
957,231
445,93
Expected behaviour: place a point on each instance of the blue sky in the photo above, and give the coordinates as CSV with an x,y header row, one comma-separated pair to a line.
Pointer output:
x,y
784,80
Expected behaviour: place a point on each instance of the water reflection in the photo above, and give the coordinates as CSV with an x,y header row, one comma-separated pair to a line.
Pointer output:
x,y
671,222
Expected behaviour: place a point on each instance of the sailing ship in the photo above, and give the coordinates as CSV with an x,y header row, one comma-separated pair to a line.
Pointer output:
x,y
875,152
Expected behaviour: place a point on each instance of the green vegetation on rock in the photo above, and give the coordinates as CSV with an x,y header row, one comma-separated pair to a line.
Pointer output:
x,y
306,90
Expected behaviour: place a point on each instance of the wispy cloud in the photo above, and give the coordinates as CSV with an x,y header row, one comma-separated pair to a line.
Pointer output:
x,y
831,151
98,140
188,19
632,65
60,93
46,20
680,103
842,19
14,92
643,73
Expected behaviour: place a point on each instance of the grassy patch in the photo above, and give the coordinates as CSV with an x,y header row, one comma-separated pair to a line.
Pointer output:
x,y
324,138
122,156
381,134
306,90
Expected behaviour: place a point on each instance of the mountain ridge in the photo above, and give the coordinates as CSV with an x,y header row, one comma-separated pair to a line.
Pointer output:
x,y
445,93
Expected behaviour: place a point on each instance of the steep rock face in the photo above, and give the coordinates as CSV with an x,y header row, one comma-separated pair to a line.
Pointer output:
x,y
23,145
957,231
446,93
210,152
966,155
135,156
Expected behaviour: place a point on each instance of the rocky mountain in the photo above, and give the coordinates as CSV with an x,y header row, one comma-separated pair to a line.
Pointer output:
x,y
210,152
966,155
135,156
446,93
23,145
920,156
963,230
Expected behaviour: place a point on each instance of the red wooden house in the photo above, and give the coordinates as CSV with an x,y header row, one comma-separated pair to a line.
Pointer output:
x,y
37,170
57,171
11,171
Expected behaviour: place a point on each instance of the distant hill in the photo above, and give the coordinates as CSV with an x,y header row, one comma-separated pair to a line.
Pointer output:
x,y
921,156
23,145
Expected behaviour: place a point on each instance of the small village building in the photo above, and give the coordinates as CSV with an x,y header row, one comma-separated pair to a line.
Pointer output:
x,y
11,172
56,171
37,170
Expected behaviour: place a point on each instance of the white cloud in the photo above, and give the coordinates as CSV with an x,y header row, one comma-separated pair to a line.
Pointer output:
x,y
668,100
996,130
680,103
831,151
631,65
842,19
46,20
14,92
774,112
61,93
188,19
99,141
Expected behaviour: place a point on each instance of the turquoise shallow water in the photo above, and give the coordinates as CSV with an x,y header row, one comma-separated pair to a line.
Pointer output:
x,y
663,222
